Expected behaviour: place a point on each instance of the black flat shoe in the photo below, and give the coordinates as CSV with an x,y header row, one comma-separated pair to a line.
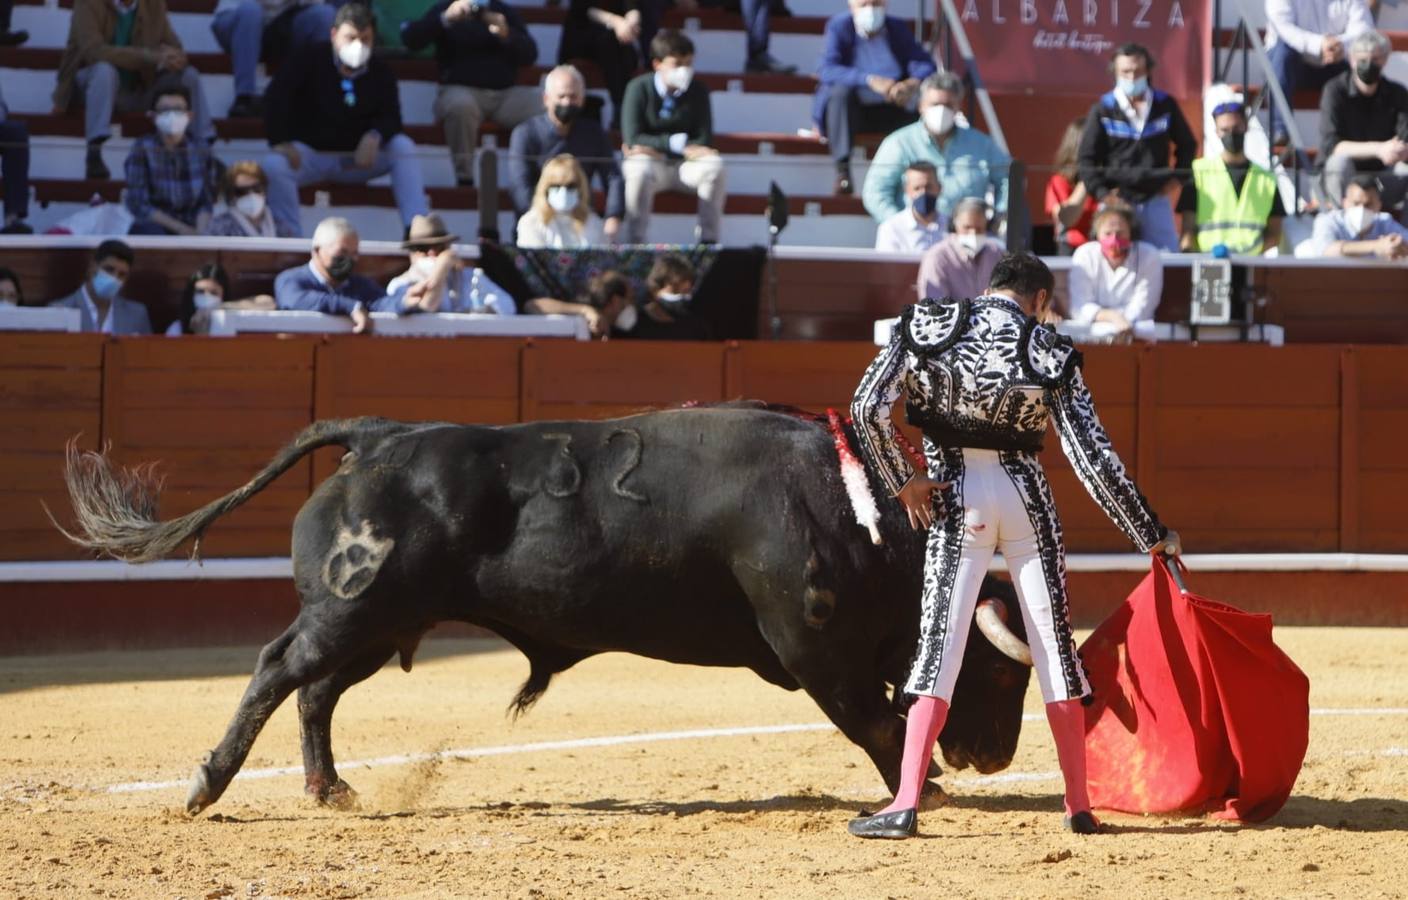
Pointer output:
x,y
895,825
1082,823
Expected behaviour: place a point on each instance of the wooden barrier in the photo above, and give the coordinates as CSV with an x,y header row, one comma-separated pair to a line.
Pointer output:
x,y
1243,449
50,391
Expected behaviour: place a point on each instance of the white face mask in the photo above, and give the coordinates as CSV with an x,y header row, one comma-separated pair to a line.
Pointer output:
x,y
869,19
678,79
206,301
626,320
424,266
939,119
562,199
250,205
1356,217
970,243
173,123
354,54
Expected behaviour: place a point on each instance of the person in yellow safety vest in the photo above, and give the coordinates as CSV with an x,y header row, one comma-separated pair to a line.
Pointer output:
x,y
1230,201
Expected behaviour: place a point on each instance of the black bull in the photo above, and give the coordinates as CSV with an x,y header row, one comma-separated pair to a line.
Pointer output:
x,y
716,537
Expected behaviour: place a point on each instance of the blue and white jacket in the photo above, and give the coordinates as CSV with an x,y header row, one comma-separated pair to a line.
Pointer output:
x,y
1114,155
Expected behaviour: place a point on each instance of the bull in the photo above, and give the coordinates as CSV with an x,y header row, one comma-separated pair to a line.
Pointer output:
x,y
716,536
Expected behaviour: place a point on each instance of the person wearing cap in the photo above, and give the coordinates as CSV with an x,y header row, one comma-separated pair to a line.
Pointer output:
x,y
1233,202
438,281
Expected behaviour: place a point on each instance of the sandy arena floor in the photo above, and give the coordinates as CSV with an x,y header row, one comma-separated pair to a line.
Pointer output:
x,y
752,815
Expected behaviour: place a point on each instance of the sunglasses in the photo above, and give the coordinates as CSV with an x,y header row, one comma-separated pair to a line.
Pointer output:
x,y
349,92
245,191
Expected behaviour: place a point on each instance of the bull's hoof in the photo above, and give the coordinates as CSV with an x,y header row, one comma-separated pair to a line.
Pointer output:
x,y
338,796
933,797
200,795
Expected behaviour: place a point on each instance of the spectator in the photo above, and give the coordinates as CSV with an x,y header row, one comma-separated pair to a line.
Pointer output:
x,y
960,265
607,33
559,217
606,305
14,171
99,300
115,53
1360,229
333,113
1232,202
254,30
1306,40
479,47
669,135
245,190
1115,279
9,37
1124,152
969,163
171,180
10,293
1067,201
328,283
206,288
1364,123
869,76
666,313
563,129
437,281
919,225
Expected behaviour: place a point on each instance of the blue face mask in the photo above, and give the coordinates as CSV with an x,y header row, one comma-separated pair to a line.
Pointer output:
x,y
925,205
1133,87
105,286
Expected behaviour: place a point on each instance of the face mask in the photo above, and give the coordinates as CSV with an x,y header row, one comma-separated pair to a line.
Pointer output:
x,y
250,205
105,286
939,120
627,319
970,243
354,54
678,78
1234,141
869,19
1115,245
925,205
1355,218
1133,87
566,113
678,304
206,301
341,266
424,266
1368,71
172,122
562,199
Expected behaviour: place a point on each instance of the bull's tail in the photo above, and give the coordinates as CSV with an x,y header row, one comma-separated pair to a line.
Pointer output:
x,y
115,508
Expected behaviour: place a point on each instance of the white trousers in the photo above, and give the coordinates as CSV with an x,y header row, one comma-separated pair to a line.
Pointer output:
x,y
998,501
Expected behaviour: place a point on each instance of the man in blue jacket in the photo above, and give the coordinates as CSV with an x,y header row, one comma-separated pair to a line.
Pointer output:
x,y
870,74
327,283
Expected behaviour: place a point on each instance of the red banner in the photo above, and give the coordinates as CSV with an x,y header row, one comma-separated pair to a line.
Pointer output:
x,y
1064,46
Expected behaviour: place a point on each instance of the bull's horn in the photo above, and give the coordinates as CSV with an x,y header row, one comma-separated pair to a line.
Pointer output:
x,y
992,622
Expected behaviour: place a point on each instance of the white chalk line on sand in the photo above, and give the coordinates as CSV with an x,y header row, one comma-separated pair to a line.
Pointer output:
x,y
404,759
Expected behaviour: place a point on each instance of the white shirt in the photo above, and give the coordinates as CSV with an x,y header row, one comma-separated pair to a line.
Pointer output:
x,y
1133,289
92,307
903,233
559,234
1302,24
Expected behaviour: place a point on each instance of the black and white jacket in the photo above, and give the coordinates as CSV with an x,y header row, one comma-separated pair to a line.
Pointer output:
x,y
981,373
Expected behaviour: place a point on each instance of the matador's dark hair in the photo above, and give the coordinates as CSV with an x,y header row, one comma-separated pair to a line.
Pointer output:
x,y
1023,274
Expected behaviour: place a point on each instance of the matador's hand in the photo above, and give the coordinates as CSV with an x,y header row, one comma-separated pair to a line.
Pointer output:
x,y
918,498
1172,544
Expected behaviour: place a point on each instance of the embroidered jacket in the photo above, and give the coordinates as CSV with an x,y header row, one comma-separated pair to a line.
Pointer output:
x,y
981,373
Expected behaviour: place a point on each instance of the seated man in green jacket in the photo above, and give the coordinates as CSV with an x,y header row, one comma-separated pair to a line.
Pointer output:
x,y
1232,201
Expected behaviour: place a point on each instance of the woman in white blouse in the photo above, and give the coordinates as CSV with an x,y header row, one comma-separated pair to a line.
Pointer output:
x,y
1114,278
560,217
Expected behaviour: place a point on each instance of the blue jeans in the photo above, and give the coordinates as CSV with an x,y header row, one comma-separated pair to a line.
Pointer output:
x,y
240,31
14,168
397,156
757,23
1294,73
1155,217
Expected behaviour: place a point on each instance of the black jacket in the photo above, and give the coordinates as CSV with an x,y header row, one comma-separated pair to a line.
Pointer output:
x,y
1113,156
467,52
306,102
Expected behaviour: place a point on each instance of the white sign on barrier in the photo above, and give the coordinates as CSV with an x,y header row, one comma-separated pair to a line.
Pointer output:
x,y
225,322
40,318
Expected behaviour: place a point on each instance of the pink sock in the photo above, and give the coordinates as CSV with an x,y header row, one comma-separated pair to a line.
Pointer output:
x,y
1067,720
925,721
